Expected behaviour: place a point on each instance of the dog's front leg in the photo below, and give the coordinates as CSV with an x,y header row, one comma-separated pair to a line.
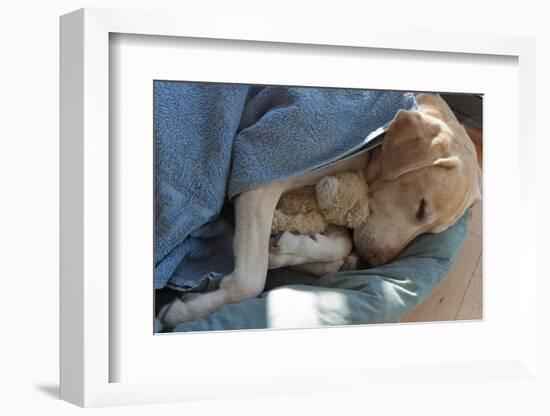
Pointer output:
x,y
253,216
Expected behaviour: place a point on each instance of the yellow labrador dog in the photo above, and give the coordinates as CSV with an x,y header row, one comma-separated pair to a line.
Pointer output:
x,y
422,179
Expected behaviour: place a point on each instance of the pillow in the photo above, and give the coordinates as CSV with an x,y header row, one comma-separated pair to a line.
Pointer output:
x,y
380,294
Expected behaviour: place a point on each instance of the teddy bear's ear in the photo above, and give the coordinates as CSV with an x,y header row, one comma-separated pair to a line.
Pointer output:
x,y
413,142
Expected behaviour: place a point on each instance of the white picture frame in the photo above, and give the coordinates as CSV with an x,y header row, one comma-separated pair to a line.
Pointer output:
x,y
87,302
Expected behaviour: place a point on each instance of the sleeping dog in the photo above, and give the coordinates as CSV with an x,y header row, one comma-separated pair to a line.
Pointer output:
x,y
421,180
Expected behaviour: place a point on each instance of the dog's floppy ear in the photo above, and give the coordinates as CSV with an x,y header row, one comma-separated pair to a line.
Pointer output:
x,y
412,143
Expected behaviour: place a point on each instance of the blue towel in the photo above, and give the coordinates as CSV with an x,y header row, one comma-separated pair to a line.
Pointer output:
x,y
214,141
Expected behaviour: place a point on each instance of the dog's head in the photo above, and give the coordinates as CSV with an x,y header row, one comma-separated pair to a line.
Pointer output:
x,y
421,180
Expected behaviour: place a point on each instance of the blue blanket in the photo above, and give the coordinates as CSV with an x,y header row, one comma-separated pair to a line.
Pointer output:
x,y
214,141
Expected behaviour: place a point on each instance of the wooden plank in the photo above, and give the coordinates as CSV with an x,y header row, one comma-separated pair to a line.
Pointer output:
x,y
444,303
476,220
472,304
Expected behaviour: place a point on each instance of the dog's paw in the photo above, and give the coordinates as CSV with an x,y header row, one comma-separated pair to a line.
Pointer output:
x,y
176,312
274,243
281,246
283,243
191,306
276,258
289,249
291,243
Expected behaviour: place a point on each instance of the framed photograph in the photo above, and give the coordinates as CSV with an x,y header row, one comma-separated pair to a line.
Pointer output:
x,y
181,145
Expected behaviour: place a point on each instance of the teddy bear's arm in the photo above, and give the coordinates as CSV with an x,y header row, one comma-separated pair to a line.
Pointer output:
x,y
302,223
343,198
297,211
357,215
301,200
343,190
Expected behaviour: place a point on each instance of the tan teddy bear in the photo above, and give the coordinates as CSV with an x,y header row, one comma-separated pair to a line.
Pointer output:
x,y
340,199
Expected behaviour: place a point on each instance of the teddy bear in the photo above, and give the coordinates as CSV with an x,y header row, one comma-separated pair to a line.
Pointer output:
x,y
340,199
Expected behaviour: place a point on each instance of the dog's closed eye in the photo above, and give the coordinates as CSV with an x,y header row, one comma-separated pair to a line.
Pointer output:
x,y
421,213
